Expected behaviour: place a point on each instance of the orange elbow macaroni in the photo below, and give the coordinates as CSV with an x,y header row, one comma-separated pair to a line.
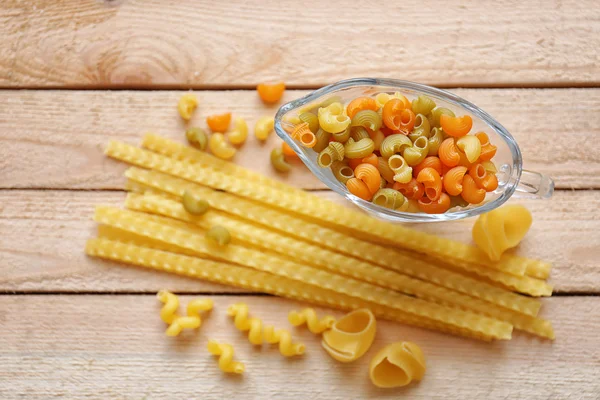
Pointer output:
x,y
453,180
369,175
351,336
439,206
359,189
471,193
432,182
448,153
456,126
397,365
304,135
501,229
219,123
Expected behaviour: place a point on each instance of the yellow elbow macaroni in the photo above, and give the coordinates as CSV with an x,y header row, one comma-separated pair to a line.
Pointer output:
x,y
351,336
225,353
219,147
471,146
333,118
396,365
309,317
187,105
264,127
240,131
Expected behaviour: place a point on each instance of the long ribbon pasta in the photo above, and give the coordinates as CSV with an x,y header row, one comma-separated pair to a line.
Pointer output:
x,y
309,317
225,353
281,195
247,278
330,260
385,257
138,224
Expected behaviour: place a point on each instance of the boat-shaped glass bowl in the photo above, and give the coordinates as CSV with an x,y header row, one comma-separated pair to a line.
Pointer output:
x,y
512,179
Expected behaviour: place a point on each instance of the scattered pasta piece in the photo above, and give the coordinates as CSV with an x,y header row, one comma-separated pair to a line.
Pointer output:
x,y
287,150
219,235
177,323
397,365
264,127
219,122
239,133
308,316
225,353
219,146
284,338
278,160
193,204
197,137
501,229
187,105
270,94
351,336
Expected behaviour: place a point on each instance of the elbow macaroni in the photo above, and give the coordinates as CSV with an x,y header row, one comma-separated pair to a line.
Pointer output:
x,y
240,131
264,127
187,105
333,118
219,147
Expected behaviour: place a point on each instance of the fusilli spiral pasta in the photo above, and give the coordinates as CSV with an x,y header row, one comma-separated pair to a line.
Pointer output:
x,y
225,353
309,317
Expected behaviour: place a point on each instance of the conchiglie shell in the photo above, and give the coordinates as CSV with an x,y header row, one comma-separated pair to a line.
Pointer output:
x,y
501,229
351,336
397,365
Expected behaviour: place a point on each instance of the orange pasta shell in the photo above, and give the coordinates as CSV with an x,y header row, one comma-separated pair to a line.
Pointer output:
x,y
407,120
287,150
439,206
303,133
432,182
359,189
483,179
429,162
448,153
360,104
412,190
219,122
487,152
371,159
369,175
270,93
391,113
456,126
453,180
471,193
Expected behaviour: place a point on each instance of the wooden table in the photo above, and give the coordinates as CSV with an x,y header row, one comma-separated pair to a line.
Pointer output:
x,y
74,327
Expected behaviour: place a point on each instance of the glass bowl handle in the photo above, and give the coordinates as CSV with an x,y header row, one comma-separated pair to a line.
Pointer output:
x,y
534,185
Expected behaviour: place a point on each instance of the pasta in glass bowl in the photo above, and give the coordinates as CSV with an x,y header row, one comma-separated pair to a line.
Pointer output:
x,y
297,123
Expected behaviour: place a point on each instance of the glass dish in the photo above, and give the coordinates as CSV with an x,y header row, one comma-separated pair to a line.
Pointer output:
x,y
512,179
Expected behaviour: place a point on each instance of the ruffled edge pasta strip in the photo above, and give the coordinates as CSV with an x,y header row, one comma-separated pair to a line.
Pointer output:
x,y
254,280
397,365
138,224
311,207
320,258
387,258
158,144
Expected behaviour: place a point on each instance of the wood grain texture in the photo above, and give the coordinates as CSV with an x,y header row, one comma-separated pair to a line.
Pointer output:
x,y
42,236
63,133
102,347
200,43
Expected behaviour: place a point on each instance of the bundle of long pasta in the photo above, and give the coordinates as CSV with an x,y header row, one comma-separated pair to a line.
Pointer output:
x,y
290,243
